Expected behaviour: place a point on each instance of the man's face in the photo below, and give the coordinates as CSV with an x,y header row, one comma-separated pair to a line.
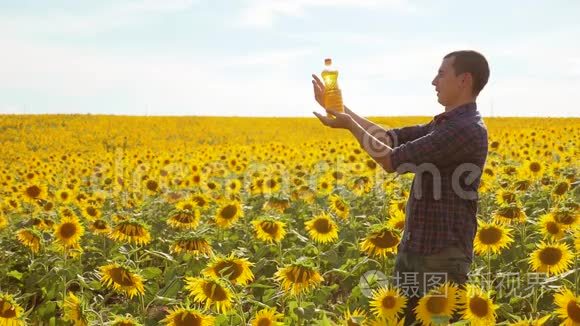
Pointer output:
x,y
448,86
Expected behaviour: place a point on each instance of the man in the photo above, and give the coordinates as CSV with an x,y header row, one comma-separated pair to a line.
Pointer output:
x,y
447,156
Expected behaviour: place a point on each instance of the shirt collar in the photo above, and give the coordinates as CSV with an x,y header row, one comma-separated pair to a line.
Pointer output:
x,y
468,107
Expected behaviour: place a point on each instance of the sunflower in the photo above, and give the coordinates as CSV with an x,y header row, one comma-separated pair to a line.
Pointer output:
x,y
195,245
438,305
297,278
151,186
10,311
361,185
202,201
269,230
276,204
257,186
64,196
236,270
476,306
533,168
187,204
30,238
272,185
68,232
74,310
173,197
40,223
233,186
211,292
397,221
198,179
131,231
125,321
522,185
182,316
66,212
322,228
560,189
47,206
379,321
484,185
122,279
339,206
530,322
551,258
3,220
267,317
304,193
90,211
228,214
387,302
510,214
491,238
324,186
568,307
506,197
12,203
338,177
356,318
381,242
32,192
567,217
397,207
100,227
185,219
211,186
550,228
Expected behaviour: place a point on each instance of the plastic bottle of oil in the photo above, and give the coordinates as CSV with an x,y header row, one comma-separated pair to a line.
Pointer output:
x,y
332,93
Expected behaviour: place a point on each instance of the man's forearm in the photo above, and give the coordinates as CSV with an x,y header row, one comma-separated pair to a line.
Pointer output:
x,y
378,150
372,128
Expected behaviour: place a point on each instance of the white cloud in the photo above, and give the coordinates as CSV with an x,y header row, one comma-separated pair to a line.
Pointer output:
x,y
264,82
159,84
104,18
262,13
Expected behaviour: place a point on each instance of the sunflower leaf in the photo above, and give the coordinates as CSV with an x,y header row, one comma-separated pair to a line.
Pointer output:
x,y
151,273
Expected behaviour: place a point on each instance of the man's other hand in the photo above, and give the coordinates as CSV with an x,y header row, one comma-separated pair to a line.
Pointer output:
x,y
340,120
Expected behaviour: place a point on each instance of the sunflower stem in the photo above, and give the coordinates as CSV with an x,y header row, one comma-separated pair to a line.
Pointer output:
x,y
142,302
489,286
241,312
299,300
64,268
385,264
576,273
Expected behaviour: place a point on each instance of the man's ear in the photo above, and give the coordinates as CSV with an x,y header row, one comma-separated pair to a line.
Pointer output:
x,y
467,79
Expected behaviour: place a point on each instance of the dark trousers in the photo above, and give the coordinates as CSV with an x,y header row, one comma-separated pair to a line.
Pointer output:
x,y
416,274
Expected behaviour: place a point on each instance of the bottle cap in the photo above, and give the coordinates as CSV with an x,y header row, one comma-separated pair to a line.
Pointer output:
x,y
328,61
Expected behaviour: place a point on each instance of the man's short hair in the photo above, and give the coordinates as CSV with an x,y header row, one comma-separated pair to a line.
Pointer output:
x,y
474,63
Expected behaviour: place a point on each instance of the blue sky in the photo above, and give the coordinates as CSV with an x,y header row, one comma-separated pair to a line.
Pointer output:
x,y
254,58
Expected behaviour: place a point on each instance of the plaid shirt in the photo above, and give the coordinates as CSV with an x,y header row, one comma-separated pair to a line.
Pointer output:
x,y
441,211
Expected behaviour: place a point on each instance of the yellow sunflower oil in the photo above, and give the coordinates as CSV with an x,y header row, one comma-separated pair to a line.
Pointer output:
x,y
332,93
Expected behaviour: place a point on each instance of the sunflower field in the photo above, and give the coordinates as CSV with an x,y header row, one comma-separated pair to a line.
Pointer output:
x,y
113,220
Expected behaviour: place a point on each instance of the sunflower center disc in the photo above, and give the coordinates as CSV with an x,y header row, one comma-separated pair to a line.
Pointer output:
x,y
573,310
7,310
68,230
121,277
490,235
550,256
436,305
385,240
478,306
